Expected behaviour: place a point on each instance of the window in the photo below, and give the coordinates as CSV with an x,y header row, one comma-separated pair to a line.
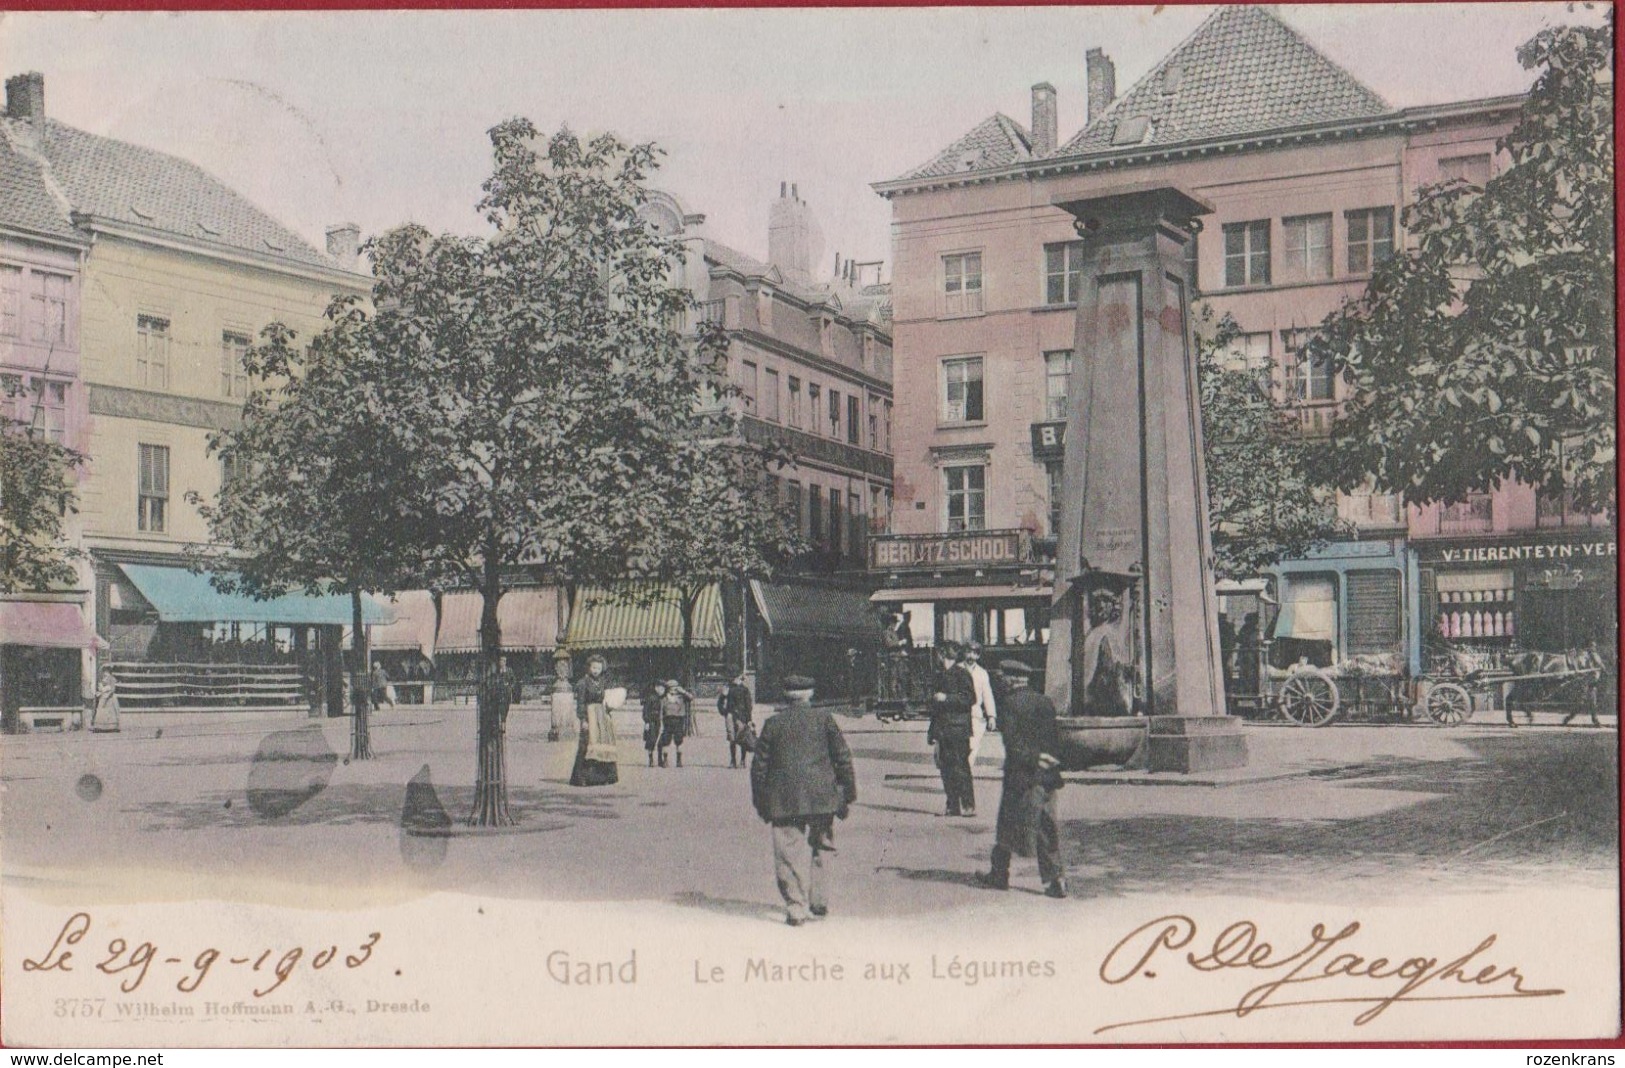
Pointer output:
x,y
834,413
1474,515
11,301
48,299
854,515
152,352
1247,253
228,468
154,490
1063,272
1474,170
747,385
1248,352
1371,238
1052,474
815,516
962,284
874,423
962,390
50,415
885,429
835,521
1057,370
233,379
797,507
967,498
1309,375
14,399
1307,252
1558,510
1366,507
853,420
815,410
764,310
794,415
770,395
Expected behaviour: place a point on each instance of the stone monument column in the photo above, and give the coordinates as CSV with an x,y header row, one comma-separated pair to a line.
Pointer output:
x,y
1134,628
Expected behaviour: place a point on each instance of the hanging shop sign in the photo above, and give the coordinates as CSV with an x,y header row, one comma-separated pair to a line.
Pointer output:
x,y
1049,441
902,552
1574,552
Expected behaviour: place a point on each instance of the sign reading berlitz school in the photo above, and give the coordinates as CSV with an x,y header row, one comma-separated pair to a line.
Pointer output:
x,y
903,551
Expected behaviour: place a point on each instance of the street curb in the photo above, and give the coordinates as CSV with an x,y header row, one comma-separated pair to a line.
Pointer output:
x,y
1147,778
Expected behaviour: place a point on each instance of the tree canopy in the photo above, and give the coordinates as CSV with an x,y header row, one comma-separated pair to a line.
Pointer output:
x,y
37,494
1265,505
1485,351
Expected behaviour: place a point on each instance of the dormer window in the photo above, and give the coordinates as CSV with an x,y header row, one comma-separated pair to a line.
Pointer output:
x,y
764,309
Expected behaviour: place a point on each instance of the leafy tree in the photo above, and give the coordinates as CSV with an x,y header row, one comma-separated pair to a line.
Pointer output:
x,y
1264,504
535,381
1486,351
716,521
311,501
37,494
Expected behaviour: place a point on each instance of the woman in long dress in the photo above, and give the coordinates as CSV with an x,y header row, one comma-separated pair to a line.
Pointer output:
x,y
595,752
104,717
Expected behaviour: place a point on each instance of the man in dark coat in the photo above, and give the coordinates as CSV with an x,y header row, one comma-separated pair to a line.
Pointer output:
x,y
800,781
1027,823
950,731
737,706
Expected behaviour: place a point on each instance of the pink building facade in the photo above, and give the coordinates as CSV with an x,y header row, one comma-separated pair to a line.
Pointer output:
x,y
1308,172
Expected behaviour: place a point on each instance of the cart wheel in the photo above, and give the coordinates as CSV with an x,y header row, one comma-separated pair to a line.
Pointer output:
x,y
1449,704
1309,698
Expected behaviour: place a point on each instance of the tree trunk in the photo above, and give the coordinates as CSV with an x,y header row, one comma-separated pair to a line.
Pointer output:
x,y
491,774
360,739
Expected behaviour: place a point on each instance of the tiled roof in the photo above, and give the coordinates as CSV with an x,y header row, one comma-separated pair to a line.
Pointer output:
x,y
996,141
29,203
121,182
856,305
1243,71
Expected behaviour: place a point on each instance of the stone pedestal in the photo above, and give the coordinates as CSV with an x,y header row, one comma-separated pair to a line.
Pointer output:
x,y
1134,627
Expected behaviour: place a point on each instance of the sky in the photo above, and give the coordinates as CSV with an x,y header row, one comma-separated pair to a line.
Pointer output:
x,y
380,117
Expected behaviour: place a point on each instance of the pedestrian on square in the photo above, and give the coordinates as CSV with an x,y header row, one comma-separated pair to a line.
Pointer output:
x,y
984,713
653,694
737,705
950,731
596,748
1027,810
674,711
104,713
382,690
801,781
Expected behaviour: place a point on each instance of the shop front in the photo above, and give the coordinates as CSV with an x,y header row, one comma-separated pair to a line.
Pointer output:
x,y
988,586
827,633
1347,601
176,643
45,649
1546,591
530,620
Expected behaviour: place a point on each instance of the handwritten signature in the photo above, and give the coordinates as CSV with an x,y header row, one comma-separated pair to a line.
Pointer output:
x,y
1343,975
135,961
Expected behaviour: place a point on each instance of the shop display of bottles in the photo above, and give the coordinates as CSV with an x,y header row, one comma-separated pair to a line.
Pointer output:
x,y
1476,614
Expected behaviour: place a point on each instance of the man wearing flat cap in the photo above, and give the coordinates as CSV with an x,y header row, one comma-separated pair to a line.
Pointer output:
x,y
801,781
1027,810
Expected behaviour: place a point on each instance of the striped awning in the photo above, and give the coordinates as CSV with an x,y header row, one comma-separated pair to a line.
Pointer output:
x,y
47,624
529,617
413,627
647,617
815,612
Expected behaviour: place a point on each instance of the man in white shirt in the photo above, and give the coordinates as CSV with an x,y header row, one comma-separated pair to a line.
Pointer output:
x,y
983,714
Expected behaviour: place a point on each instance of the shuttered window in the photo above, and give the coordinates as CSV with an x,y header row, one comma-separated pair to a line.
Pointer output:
x,y
1374,617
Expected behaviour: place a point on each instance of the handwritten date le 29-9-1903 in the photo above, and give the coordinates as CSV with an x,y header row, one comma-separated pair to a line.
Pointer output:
x,y
133,961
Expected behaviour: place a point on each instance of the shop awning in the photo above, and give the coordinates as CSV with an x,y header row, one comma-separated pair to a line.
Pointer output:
x,y
898,595
180,596
412,628
45,624
529,617
813,611
649,619
1308,610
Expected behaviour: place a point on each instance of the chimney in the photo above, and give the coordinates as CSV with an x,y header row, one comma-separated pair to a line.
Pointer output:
x,y
25,97
344,244
794,241
1043,119
1102,74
